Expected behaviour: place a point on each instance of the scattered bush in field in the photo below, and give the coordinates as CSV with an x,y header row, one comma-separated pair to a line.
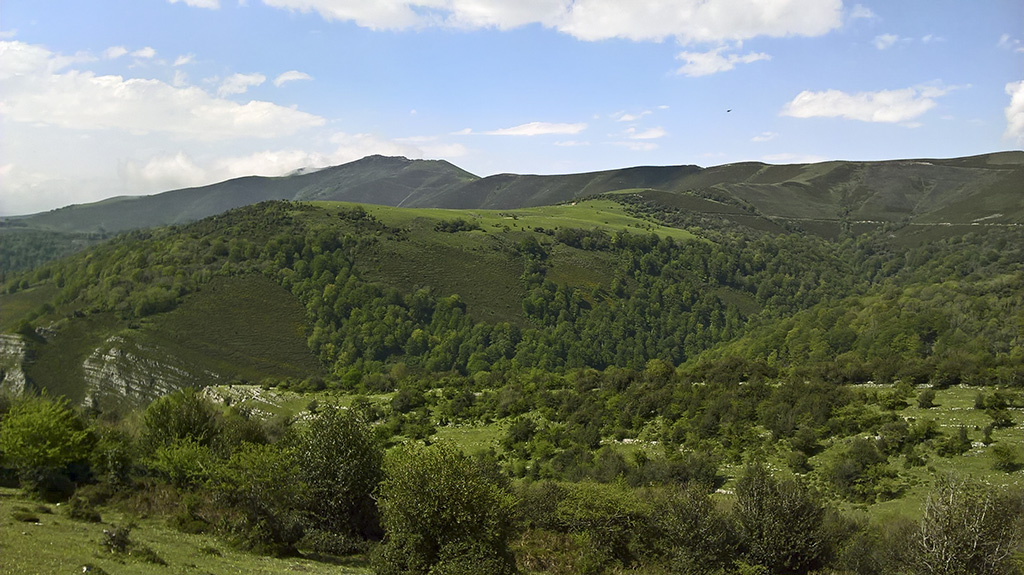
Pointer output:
x,y
441,516
184,414
780,523
118,541
185,462
456,225
693,536
80,509
927,399
340,459
264,490
967,528
41,437
1007,457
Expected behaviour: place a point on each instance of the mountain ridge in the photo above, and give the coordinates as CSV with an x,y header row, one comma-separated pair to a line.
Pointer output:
x,y
928,189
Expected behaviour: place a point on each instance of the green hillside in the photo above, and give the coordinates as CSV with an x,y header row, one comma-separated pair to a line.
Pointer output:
x,y
612,363
822,198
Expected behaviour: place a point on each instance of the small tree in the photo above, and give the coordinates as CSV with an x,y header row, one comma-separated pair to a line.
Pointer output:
x,y
968,528
780,522
263,484
341,460
184,414
40,437
441,515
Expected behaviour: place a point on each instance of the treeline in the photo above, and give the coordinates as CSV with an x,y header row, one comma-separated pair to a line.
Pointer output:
x,y
852,311
22,249
324,484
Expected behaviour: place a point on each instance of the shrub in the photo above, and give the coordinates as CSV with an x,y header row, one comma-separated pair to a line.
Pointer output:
x,y
184,414
441,515
341,460
41,437
80,509
967,527
263,484
780,522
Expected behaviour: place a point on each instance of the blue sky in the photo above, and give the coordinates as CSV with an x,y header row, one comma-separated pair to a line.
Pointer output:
x,y
114,97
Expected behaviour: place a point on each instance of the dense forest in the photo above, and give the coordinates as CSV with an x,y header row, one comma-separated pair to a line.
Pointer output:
x,y
720,399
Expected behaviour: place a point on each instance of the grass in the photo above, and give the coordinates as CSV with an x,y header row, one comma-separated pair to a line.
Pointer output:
x,y
17,306
57,544
244,328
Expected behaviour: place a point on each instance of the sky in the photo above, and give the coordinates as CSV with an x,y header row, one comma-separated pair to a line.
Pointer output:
x,y
126,97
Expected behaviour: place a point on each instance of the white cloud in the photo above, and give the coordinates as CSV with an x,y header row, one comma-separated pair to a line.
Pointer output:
x,y
211,4
651,134
180,79
184,59
571,143
890,106
240,83
114,52
640,20
884,41
291,76
624,117
180,170
712,62
860,11
36,91
8,34
1007,42
146,53
764,137
1015,113
539,129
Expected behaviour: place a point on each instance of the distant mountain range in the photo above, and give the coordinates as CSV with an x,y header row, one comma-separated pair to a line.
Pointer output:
x,y
979,189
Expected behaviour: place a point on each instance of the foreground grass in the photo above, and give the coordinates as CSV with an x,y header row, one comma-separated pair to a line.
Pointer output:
x,y
57,544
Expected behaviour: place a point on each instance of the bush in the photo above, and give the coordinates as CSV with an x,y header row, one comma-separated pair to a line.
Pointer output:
x,y
780,523
41,438
441,515
967,527
341,460
263,485
184,414
80,509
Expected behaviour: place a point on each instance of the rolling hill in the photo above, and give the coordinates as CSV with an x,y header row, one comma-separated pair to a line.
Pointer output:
x,y
960,191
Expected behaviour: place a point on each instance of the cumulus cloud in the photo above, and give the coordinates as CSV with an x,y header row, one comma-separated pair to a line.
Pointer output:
x,y
211,4
624,117
712,62
1006,42
538,129
180,170
240,84
764,137
146,53
890,106
291,76
36,90
860,11
1015,113
114,52
184,59
651,134
884,41
640,20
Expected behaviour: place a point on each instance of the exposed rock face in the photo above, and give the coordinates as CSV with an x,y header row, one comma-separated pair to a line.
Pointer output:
x,y
12,359
121,372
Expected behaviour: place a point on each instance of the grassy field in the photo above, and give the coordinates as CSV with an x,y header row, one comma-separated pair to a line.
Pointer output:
x,y
57,544
244,328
